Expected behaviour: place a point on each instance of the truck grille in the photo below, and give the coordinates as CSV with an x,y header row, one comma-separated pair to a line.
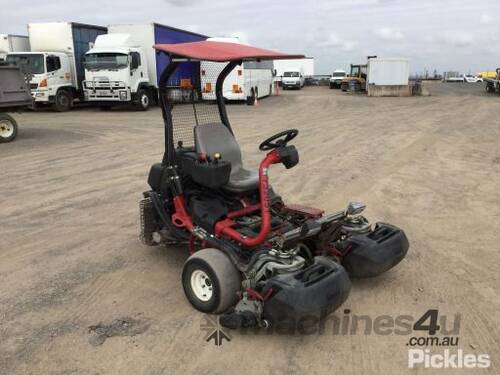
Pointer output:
x,y
106,85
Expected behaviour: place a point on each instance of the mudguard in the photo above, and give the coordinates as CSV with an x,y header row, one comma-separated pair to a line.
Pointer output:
x,y
376,252
312,292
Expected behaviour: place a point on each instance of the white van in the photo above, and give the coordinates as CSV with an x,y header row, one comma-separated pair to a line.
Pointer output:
x,y
293,78
336,78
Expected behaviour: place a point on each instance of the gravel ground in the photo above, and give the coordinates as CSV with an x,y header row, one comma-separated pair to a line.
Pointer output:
x,y
79,294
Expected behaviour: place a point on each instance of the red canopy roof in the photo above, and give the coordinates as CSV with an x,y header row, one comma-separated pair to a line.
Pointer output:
x,y
222,51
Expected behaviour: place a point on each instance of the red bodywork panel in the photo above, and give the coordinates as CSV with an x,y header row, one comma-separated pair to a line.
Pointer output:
x,y
181,218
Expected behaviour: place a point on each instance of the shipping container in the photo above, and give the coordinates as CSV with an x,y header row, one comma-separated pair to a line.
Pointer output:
x,y
388,71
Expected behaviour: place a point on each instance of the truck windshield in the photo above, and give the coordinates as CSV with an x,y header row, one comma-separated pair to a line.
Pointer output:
x,y
96,61
338,74
291,74
31,63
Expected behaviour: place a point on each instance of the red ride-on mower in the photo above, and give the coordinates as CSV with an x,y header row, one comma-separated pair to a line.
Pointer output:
x,y
261,260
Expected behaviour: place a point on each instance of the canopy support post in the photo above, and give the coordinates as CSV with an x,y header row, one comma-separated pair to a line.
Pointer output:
x,y
166,111
220,95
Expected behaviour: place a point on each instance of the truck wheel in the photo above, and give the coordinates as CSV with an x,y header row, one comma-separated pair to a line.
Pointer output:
x,y
211,281
8,128
251,98
63,101
143,100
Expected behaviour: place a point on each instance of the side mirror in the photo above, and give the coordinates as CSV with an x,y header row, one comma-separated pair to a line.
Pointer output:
x,y
355,208
135,62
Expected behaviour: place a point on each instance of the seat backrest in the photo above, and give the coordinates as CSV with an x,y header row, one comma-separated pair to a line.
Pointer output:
x,y
213,138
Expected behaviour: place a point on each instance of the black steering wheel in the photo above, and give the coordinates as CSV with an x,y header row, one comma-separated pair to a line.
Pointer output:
x,y
278,140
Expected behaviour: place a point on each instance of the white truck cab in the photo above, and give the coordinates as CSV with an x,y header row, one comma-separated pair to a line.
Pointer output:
x,y
55,61
116,71
293,78
50,71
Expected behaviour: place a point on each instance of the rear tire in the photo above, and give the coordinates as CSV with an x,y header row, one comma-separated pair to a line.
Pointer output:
x,y
63,101
8,128
143,100
211,281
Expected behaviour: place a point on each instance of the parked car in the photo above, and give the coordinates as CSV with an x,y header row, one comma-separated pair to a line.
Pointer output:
x,y
336,78
469,78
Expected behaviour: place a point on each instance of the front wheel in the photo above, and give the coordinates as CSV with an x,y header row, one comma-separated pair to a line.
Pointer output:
x,y
8,128
143,100
63,101
211,281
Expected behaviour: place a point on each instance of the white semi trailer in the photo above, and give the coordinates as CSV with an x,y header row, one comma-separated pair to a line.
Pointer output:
x,y
13,43
56,61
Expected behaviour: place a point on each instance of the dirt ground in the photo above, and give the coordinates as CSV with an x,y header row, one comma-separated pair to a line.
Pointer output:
x,y
79,294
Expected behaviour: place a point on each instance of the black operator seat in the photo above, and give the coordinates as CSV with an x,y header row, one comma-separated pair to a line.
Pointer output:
x,y
213,138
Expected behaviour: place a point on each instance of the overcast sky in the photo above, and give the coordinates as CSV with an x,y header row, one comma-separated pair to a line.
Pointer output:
x,y
458,35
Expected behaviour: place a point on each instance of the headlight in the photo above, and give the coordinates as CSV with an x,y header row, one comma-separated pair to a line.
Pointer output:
x,y
89,85
123,95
